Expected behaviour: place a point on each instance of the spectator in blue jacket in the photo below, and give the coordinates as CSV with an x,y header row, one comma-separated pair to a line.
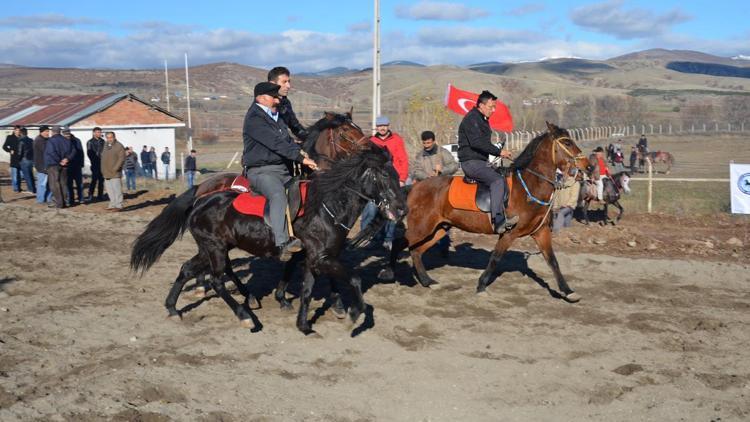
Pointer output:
x,y
58,154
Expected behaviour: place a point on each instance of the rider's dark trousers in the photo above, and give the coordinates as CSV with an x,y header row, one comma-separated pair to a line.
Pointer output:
x,y
481,171
269,181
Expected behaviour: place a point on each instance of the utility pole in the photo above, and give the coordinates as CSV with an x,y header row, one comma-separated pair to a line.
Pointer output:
x,y
166,79
376,65
187,89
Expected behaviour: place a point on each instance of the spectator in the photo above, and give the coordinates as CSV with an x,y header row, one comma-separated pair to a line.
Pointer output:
x,y
113,157
152,160
633,158
434,161
385,138
43,191
565,200
58,154
166,158
146,162
11,147
131,165
26,154
75,169
190,168
94,148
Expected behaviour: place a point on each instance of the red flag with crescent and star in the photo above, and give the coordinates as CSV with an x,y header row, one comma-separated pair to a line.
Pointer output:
x,y
461,102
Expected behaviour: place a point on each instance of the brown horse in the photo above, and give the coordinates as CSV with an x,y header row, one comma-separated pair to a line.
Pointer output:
x,y
430,213
663,157
334,136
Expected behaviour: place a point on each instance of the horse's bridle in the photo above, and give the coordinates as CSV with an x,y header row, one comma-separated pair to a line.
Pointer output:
x,y
336,146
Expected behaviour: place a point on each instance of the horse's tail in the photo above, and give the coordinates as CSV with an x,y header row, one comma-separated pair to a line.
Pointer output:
x,y
162,231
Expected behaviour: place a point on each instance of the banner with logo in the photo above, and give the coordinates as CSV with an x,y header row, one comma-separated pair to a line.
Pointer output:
x,y
461,102
739,190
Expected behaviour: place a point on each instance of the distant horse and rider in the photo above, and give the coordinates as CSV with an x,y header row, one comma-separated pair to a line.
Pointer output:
x,y
658,157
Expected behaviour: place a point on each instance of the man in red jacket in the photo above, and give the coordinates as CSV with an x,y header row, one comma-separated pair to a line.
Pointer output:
x,y
385,138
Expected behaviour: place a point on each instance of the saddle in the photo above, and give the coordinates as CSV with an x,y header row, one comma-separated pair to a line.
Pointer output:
x,y
251,203
468,194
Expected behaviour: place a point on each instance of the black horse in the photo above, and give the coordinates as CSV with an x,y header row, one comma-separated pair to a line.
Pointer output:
x,y
336,198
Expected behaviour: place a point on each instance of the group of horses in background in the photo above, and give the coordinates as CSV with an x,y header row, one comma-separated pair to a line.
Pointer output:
x,y
356,173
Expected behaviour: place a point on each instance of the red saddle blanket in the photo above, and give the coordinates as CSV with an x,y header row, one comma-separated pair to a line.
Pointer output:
x,y
253,204
463,196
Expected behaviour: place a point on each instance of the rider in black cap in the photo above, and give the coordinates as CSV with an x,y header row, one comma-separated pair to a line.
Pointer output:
x,y
268,151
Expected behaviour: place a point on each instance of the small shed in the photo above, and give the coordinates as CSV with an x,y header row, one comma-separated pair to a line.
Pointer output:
x,y
134,121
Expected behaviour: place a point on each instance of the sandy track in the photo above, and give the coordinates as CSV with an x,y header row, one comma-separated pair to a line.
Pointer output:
x,y
83,339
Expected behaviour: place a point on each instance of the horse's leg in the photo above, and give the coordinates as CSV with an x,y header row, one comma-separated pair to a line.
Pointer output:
x,y
334,269
502,245
195,265
308,282
251,300
389,273
219,264
416,258
280,293
543,239
586,205
606,213
619,207
202,286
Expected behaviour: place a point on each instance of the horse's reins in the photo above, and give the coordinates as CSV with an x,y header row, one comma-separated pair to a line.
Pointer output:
x,y
572,158
358,193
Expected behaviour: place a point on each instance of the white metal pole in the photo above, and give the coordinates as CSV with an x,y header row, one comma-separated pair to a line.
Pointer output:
x,y
376,64
166,79
187,90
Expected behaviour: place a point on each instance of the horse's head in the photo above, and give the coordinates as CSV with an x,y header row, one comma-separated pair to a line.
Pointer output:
x,y
565,153
334,136
379,181
625,181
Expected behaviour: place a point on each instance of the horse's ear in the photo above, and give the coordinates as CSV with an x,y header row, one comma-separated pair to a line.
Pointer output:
x,y
328,115
551,127
350,112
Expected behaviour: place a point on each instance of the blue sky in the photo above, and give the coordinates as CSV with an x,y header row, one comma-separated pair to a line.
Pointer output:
x,y
315,35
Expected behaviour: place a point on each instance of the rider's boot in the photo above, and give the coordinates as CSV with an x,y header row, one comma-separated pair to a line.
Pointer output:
x,y
503,224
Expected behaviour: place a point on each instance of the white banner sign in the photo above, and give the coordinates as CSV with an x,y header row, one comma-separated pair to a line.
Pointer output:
x,y
739,181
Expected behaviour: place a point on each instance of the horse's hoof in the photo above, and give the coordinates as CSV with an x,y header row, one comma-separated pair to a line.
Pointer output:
x,y
175,317
572,297
253,302
353,318
339,313
386,274
199,292
246,323
286,306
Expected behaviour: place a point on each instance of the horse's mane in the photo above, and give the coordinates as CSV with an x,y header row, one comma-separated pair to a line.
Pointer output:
x,y
321,125
524,159
528,153
330,183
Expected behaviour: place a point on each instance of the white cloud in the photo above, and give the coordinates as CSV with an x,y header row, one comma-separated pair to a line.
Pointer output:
x,y
441,11
468,36
363,26
43,20
611,18
526,9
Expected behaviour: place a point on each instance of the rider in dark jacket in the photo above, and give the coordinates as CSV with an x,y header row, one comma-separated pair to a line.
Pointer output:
x,y
268,151
474,148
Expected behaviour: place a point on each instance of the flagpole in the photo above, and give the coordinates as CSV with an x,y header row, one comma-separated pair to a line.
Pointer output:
x,y
166,79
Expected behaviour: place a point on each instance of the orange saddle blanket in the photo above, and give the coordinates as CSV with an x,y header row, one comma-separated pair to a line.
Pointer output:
x,y
469,196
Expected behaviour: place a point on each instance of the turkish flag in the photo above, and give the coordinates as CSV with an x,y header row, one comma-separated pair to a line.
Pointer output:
x,y
462,101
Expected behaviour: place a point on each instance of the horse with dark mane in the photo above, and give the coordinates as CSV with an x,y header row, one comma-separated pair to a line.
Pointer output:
x,y
662,157
336,197
610,195
431,212
331,137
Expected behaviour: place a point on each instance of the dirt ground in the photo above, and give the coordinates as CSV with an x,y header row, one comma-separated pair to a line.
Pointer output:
x,y
661,333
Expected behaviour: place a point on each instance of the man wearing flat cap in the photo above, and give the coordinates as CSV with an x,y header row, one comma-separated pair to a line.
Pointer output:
x,y
267,156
